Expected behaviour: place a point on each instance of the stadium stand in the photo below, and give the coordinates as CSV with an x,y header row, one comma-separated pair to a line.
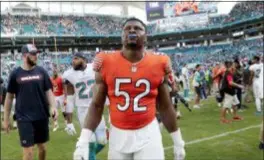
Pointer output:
x,y
102,25
99,25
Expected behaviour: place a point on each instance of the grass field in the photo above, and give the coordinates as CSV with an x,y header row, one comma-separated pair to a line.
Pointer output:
x,y
206,138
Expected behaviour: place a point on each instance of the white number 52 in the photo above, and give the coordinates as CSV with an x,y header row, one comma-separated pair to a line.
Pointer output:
x,y
118,92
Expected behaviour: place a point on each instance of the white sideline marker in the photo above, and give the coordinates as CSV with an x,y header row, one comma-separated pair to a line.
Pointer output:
x,y
216,136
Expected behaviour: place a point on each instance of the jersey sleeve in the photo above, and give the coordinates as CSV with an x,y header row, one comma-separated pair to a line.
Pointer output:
x,y
167,65
98,62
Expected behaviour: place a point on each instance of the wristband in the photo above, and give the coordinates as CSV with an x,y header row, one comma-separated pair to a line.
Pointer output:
x,y
85,135
177,138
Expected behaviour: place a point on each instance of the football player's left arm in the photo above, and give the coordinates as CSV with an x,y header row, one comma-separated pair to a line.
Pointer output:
x,y
169,119
166,109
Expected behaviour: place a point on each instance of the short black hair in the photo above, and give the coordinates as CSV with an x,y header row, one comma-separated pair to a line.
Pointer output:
x,y
250,62
197,66
256,58
134,19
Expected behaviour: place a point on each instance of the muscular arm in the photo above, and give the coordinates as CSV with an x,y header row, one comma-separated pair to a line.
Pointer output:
x,y
8,105
251,77
174,89
67,88
166,110
96,108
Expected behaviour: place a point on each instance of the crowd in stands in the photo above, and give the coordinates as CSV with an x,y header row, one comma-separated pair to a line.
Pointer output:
x,y
99,25
206,55
61,25
241,11
245,10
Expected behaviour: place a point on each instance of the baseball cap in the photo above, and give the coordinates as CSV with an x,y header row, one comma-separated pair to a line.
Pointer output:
x,y
29,48
80,55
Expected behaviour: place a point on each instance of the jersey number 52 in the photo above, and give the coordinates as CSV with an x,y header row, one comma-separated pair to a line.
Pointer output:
x,y
118,92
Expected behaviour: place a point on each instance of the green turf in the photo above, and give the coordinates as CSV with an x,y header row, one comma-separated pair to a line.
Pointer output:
x,y
200,123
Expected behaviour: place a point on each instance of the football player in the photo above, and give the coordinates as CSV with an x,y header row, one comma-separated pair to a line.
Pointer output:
x,y
257,82
81,77
57,89
132,79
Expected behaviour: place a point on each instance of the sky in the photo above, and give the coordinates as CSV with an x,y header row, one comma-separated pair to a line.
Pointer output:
x,y
223,8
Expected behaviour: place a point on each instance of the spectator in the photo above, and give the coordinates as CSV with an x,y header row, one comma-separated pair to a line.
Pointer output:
x,y
230,99
197,86
32,115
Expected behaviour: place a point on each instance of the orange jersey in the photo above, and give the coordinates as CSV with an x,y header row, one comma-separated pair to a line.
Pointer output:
x,y
220,72
215,71
57,86
132,89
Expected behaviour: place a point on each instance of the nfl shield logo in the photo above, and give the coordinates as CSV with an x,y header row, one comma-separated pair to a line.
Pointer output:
x,y
134,69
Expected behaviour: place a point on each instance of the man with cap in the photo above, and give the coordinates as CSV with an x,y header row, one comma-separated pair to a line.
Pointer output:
x,y
82,77
31,86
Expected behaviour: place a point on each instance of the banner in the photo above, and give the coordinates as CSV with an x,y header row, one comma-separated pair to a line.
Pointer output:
x,y
154,10
160,10
182,23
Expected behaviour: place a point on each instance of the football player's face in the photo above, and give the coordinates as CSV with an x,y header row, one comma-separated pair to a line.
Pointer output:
x,y
77,63
133,35
31,59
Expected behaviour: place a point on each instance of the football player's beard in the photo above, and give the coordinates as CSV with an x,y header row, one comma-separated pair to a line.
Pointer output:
x,y
30,62
78,67
134,46
55,75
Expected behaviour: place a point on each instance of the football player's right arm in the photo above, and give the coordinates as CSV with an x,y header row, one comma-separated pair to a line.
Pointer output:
x,y
169,119
166,110
67,88
251,77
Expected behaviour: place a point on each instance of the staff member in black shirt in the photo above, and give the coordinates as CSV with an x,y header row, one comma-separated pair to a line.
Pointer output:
x,y
32,87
